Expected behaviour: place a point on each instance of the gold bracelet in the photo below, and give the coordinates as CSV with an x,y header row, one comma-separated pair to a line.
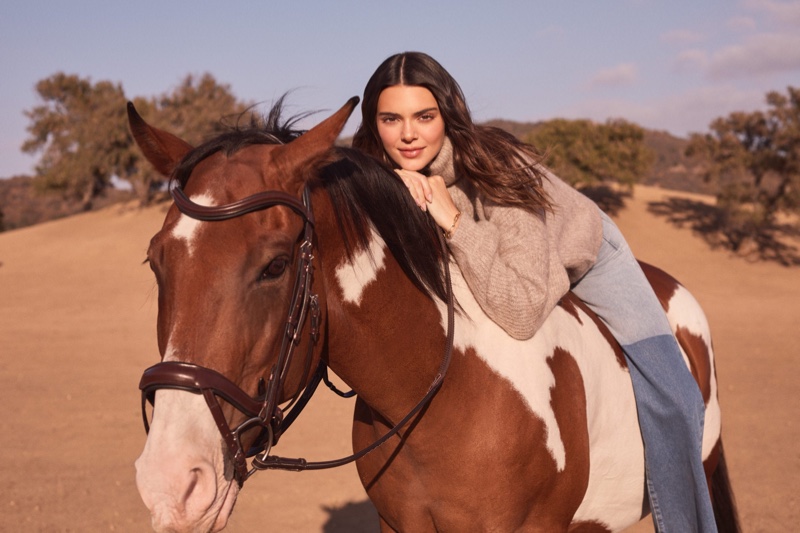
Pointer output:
x,y
449,233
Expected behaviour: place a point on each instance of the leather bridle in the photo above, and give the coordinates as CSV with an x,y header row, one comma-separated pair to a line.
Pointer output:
x,y
263,412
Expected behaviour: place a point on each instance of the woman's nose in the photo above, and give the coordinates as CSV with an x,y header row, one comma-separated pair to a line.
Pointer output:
x,y
409,133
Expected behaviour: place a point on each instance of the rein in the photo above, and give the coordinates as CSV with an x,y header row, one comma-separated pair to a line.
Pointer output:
x,y
263,411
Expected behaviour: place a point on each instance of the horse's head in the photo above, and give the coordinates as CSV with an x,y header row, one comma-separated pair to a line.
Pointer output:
x,y
232,262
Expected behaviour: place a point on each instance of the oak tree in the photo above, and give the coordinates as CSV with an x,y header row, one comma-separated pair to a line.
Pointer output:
x,y
80,131
585,153
754,158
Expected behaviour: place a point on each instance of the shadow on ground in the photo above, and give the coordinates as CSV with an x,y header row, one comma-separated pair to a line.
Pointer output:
x,y
611,201
708,221
358,517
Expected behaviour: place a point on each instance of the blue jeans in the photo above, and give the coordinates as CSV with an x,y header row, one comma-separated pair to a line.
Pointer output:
x,y
668,401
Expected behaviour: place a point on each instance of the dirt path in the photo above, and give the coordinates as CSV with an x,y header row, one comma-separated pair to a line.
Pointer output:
x,y
77,327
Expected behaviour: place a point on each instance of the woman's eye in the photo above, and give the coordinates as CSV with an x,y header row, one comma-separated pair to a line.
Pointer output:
x,y
275,268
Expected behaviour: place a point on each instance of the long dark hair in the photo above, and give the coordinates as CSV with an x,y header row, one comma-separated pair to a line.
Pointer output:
x,y
503,168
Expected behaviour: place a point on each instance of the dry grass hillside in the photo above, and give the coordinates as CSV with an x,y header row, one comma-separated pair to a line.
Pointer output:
x,y
77,327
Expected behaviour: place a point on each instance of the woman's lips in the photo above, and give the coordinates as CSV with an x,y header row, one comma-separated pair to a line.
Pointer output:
x,y
410,153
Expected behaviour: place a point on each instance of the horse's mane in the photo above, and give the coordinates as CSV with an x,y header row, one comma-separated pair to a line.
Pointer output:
x,y
364,194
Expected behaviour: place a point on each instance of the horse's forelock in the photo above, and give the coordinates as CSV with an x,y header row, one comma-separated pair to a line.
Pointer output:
x,y
247,130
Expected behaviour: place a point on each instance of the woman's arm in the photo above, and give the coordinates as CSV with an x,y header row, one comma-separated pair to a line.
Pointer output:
x,y
511,267
506,257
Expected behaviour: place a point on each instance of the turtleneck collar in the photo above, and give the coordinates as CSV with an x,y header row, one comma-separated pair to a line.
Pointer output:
x,y
442,164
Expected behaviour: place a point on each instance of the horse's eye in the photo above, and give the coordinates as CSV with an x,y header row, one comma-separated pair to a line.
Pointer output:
x,y
275,268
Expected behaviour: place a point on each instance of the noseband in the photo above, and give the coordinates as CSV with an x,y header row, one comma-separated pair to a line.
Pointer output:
x,y
263,411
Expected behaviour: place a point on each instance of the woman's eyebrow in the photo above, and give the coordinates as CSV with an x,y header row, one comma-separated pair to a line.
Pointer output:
x,y
416,113
428,110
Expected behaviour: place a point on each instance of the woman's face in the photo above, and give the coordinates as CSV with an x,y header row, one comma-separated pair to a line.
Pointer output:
x,y
410,125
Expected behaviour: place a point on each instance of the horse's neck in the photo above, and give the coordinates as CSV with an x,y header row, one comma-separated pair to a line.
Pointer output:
x,y
385,338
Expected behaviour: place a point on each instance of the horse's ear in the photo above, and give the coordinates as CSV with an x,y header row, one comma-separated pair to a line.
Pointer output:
x,y
164,150
313,149
321,137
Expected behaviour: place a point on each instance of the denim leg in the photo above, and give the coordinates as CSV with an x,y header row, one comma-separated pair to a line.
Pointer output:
x,y
669,403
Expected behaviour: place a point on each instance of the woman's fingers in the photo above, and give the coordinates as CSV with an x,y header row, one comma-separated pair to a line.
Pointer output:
x,y
431,195
418,187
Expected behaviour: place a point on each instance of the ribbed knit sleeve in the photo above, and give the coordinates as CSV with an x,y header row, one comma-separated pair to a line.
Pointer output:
x,y
507,261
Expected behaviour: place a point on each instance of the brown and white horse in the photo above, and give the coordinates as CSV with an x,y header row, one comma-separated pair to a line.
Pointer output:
x,y
536,435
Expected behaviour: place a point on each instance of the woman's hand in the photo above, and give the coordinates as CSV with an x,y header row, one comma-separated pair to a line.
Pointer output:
x,y
418,186
431,194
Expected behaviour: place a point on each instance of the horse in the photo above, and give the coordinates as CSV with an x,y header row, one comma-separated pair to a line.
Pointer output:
x,y
283,253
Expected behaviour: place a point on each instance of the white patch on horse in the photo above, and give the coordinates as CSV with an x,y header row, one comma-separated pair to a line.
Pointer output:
x,y
186,228
685,312
681,307
181,472
522,363
170,354
355,276
616,455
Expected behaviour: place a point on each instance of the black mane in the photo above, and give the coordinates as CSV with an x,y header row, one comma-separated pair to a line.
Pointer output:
x,y
363,191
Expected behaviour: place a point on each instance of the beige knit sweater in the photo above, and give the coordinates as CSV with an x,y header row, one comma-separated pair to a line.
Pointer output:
x,y
517,264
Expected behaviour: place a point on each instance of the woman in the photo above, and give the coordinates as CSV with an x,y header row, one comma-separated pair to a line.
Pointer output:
x,y
522,238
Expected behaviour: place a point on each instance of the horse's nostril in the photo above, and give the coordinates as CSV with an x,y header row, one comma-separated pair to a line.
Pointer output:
x,y
195,476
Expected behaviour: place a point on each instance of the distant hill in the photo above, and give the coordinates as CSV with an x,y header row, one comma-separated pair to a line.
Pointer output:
x,y
21,205
517,129
671,168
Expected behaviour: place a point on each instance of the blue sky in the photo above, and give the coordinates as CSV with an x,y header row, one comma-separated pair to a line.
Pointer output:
x,y
670,65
